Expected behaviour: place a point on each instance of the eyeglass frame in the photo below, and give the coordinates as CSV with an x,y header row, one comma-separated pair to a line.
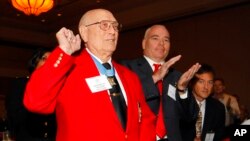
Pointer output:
x,y
118,28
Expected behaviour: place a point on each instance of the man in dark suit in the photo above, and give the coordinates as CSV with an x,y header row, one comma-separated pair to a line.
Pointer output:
x,y
156,46
201,107
25,125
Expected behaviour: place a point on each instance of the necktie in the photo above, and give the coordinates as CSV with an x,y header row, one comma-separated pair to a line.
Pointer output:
x,y
117,98
160,127
159,83
198,123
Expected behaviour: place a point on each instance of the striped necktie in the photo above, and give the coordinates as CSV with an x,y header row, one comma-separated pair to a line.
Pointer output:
x,y
198,123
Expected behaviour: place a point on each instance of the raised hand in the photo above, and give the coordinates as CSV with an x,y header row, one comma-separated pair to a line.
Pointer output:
x,y
187,76
68,42
160,74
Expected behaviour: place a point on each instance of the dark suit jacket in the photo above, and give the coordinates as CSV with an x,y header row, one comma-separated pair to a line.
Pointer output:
x,y
213,122
25,125
170,109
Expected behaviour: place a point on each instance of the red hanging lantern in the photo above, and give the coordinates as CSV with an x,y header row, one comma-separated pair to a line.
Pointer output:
x,y
33,7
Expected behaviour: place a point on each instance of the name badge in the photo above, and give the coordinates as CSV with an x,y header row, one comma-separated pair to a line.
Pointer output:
x,y
171,92
209,136
98,83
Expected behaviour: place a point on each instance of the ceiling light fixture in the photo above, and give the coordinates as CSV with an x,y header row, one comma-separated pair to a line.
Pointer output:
x,y
33,7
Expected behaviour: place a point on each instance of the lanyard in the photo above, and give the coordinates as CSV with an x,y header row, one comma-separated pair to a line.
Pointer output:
x,y
102,69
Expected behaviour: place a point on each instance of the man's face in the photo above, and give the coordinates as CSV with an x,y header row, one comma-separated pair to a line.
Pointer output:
x,y
218,87
203,87
98,40
156,44
43,59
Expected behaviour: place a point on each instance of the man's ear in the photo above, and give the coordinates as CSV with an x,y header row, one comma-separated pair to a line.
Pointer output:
x,y
83,32
143,44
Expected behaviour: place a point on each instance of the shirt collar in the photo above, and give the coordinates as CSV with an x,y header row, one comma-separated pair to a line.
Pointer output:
x,y
202,102
151,62
109,61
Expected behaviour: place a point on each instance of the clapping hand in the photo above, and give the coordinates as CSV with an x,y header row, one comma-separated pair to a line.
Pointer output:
x,y
187,76
160,74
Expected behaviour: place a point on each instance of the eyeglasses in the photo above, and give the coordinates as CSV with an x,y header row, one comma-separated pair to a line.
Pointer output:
x,y
105,25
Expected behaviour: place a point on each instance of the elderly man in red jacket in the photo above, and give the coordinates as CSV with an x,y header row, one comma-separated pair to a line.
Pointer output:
x,y
82,91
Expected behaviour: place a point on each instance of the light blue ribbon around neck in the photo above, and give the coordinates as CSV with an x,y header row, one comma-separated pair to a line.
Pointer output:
x,y
102,69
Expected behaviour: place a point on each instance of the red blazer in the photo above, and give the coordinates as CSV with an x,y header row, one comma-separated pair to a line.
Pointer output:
x,y
59,85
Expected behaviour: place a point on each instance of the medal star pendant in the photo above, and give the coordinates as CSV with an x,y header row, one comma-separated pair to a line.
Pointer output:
x,y
111,81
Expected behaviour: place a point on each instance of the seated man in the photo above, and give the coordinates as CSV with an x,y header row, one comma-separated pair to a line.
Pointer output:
x,y
205,116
